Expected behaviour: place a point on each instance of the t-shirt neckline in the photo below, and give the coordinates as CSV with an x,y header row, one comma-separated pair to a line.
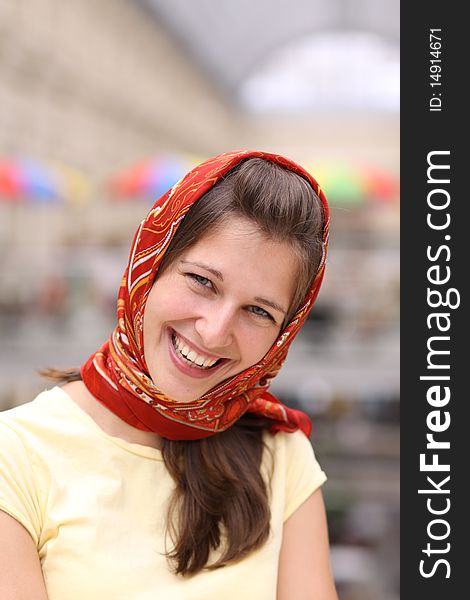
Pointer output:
x,y
134,448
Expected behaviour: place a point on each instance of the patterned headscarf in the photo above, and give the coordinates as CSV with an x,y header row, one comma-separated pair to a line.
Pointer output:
x,y
117,374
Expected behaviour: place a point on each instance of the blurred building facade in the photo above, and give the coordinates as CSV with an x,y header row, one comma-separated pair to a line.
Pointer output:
x,y
99,85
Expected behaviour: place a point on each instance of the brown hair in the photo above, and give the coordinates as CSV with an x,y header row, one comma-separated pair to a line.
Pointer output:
x,y
220,502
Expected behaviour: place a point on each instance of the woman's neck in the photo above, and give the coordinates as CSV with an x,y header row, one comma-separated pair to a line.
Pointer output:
x,y
108,421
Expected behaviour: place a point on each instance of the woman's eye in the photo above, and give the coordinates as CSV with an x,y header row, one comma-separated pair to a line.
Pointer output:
x,y
200,280
260,312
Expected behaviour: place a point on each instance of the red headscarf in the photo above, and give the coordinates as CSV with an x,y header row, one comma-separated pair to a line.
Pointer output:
x,y
117,374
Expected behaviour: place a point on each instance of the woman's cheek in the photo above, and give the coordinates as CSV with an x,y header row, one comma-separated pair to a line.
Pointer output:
x,y
256,340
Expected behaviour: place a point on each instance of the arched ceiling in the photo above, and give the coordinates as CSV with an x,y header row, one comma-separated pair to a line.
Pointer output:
x,y
229,38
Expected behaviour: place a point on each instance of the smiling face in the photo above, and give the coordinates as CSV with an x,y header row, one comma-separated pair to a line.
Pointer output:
x,y
217,309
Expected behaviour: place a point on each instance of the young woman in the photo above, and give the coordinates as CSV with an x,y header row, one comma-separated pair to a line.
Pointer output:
x,y
164,468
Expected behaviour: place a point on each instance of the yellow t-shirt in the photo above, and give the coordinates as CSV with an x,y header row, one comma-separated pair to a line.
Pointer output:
x,y
94,506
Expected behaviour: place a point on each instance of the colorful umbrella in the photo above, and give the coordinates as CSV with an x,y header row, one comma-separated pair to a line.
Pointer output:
x,y
150,178
381,186
26,179
348,184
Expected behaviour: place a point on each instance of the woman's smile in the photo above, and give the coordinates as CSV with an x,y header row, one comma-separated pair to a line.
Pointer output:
x,y
191,360
217,309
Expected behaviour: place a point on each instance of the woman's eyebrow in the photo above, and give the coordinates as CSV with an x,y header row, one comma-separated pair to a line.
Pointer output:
x,y
214,272
271,303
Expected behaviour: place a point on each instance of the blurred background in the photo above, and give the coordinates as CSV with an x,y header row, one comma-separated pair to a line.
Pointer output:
x,y
104,105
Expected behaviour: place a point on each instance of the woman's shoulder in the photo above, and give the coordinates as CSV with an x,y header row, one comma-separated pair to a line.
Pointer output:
x,y
37,412
294,470
291,451
24,462
41,425
291,444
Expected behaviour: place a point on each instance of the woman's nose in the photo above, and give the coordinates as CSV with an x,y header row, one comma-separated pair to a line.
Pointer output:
x,y
216,327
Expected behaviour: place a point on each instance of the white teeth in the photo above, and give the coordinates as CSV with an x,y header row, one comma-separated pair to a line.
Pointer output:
x,y
191,355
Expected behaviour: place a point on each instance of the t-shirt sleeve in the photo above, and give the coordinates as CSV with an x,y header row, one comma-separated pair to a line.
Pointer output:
x,y
303,473
18,489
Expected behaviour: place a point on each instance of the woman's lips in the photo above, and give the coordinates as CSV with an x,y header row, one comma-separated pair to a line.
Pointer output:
x,y
183,365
